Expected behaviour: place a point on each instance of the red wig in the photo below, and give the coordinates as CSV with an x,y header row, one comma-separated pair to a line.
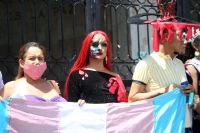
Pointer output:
x,y
83,58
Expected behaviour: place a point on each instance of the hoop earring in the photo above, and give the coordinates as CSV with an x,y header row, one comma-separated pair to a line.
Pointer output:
x,y
196,53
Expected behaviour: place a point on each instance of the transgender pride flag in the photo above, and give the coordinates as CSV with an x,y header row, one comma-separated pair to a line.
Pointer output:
x,y
162,114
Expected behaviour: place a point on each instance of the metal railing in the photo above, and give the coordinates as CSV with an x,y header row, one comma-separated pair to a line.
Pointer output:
x,y
61,25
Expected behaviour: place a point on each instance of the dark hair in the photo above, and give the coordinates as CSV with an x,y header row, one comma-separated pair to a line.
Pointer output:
x,y
164,31
189,53
22,53
196,41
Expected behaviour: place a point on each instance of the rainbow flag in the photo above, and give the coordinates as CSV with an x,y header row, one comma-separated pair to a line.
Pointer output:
x,y
162,114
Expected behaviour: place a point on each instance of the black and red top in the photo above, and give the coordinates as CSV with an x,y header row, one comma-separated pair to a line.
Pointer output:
x,y
95,87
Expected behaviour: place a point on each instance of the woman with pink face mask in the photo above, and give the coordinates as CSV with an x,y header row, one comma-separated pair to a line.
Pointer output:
x,y
28,84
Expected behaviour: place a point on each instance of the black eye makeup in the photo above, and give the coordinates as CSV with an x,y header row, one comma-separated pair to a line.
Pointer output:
x,y
96,44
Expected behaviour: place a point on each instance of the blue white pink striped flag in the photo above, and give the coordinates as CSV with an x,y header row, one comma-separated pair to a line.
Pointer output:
x,y
162,114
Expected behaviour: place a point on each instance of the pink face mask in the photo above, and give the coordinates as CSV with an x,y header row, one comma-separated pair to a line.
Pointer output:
x,y
35,71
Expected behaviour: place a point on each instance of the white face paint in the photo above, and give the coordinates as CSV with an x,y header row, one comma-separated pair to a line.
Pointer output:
x,y
98,47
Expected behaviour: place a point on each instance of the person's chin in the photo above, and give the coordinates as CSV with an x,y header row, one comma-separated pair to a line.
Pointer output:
x,y
99,58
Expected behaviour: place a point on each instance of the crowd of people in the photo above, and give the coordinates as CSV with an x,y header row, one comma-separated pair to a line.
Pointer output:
x,y
90,80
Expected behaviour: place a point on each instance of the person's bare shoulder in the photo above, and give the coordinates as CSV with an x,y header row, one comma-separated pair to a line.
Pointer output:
x,y
8,89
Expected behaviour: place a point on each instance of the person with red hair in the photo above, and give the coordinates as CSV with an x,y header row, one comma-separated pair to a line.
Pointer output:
x,y
90,79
